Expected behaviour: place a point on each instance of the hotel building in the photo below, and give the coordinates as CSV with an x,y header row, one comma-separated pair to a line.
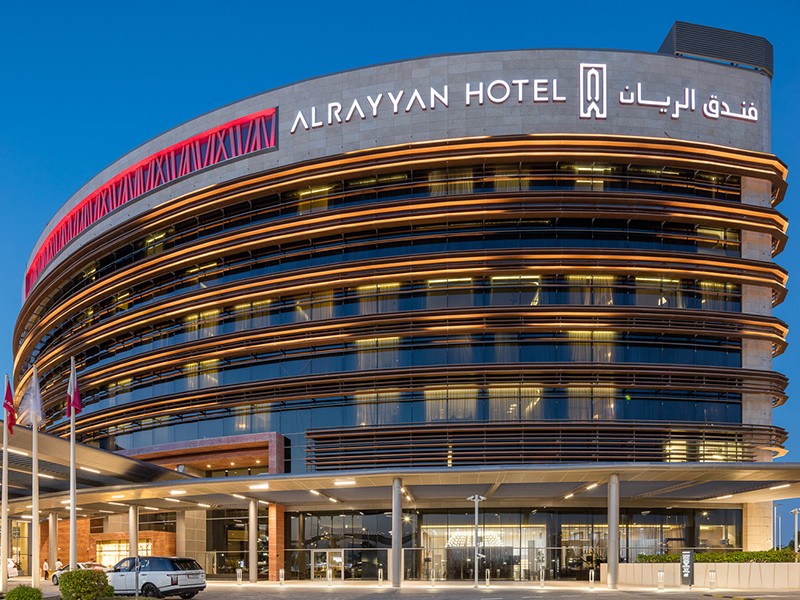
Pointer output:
x,y
337,309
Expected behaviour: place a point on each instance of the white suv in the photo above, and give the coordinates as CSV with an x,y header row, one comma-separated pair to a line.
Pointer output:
x,y
158,576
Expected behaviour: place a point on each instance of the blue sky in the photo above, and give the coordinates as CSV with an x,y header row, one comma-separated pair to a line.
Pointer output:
x,y
83,83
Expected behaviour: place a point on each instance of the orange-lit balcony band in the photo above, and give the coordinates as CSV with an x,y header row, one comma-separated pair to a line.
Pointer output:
x,y
544,374
756,164
731,270
242,241
554,319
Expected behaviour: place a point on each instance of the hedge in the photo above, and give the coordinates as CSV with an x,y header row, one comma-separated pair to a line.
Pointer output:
x,y
24,592
763,556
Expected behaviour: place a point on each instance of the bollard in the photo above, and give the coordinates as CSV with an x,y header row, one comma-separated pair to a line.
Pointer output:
x,y
239,576
281,575
380,576
712,579
488,577
329,575
541,577
660,580
591,579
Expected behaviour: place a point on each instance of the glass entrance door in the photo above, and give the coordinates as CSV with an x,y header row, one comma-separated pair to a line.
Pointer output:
x,y
328,561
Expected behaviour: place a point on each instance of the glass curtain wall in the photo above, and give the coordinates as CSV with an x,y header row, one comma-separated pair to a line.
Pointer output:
x,y
516,545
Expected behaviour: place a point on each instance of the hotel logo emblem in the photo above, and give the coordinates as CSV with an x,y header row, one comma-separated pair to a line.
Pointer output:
x,y
593,91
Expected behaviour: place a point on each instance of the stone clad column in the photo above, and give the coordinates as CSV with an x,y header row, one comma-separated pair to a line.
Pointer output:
x,y
180,533
276,540
397,533
613,531
252,541
52,541
133,530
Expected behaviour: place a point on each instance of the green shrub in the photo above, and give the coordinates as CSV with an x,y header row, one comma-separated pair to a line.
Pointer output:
x,y
761,556
24,592
659,558
84,584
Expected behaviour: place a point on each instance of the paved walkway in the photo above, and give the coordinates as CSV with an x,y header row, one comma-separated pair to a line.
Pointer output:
x,y
413,590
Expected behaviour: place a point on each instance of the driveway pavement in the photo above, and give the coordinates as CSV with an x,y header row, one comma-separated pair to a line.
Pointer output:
x,y
452,591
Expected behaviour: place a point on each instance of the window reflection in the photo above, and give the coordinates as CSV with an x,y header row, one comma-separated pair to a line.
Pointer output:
x,y
589,290
592,346
377,408
202,325
515,403
451,404
378,353
446,182
659,291
516,290
377,298
449,293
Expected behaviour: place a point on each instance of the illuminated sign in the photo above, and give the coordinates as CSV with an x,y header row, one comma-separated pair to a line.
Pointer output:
x,y
593,96
233,139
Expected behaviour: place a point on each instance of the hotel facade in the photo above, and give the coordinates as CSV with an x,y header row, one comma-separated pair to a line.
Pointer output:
x,y
335,310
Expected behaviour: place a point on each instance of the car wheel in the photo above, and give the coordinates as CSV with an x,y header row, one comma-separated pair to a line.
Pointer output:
x,y
55,580
150,591
186,595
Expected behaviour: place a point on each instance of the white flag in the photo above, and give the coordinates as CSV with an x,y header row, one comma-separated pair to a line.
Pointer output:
x,y
73,393
30,407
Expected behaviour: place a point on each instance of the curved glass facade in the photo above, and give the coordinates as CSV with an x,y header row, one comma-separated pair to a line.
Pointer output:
x,y
469,294
472,268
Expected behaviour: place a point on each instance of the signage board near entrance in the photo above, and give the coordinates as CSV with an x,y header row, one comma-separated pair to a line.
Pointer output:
x,y
687,567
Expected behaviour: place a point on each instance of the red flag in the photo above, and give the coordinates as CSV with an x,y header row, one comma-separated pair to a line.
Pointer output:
x,y
8,404
73,393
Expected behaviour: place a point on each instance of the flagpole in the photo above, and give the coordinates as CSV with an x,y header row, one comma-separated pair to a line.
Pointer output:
x,y
35,579
73,502
4,509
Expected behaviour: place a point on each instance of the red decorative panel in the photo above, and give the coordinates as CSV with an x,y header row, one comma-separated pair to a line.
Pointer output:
x,y
237,138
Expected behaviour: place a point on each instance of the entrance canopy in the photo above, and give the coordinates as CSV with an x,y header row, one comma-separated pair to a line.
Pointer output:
x,y
96,469
110,483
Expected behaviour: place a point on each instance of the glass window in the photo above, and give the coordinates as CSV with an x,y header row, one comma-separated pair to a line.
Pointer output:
x,y
660,292
515,290
377,298
587,290
515,403
451,404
